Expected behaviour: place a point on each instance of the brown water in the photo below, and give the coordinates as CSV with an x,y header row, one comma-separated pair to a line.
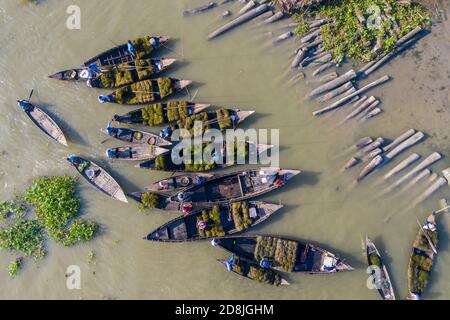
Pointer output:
x,y
240,69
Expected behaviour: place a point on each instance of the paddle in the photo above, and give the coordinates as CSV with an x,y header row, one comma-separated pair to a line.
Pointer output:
x,y
442,210
427,236
31,94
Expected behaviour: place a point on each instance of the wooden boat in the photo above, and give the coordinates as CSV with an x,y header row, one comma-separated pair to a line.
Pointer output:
x,y
221,119
283,254
139,152
230,187
379,271
98,177
127,74
120,54
165,113
136,136
219,158
178,183
253,271
422,258
218,221
146,91
43,121
139,69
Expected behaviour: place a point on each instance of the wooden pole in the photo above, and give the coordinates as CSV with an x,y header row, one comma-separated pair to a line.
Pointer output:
x,y
349,76
408,134
367,103
402,165
334,93
405,145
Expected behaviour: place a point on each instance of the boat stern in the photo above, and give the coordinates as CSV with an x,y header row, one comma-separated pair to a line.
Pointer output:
x,y
243,115
289,174
199,107
181,84
167,62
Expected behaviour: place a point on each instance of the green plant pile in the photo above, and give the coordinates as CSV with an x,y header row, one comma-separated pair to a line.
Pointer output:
x,y
162,162
116,78
241,216
144,68
214,228
189,122
194,150
256,273
24,236
177,110
282,252
346,37
165,87
137,93
374,260
14,267
151,200
153,115
223,117
143,47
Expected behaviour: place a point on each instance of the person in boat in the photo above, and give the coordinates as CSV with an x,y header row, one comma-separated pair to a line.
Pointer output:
x,y
25,105
105,99
166,133
79,163
116,154
265,263
120,133
187,208
230,263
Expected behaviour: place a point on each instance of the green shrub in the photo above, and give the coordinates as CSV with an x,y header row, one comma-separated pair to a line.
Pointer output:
x,y
144,69
79,231
14,267
224,120
12,208
143,47
241,216
165,87
177,110
282,252
25,236
153,115
214,228
150,200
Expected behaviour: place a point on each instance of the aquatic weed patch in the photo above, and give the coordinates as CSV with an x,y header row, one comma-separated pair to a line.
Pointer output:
x,y
363,29
24,236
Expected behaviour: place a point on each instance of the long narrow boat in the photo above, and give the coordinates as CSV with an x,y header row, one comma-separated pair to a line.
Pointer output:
x,y
283,254
422,257
253,271
217,221
221,119
98,177
146,91
136,136
126,75
242,154
382,280
43,121
137,69
178,183
139,152
230,187
161,113
139,48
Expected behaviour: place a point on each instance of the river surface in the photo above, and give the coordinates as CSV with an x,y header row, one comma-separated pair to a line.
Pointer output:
x,y
240,69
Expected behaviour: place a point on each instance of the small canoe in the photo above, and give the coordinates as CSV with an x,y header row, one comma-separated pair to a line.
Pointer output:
x,y
130,73
136,136
379,272
146,91
219,158
138,69
43,121
224,188
221,119
138,152
253,271
283,254
161,113
143,47
218,221
422,258
178,183
98,177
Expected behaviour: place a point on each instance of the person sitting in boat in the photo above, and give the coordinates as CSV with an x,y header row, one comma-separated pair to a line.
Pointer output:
x,y
154,42
132,49
265,263
79,163
230,263
187,208
25,105
105,99
215,242
120,133
165,133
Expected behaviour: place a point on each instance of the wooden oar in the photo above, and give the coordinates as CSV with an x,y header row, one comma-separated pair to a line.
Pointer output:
x,y
442,210
427,236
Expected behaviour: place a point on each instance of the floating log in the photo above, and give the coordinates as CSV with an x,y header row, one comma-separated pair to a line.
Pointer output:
x,y
346,93
367,66
364,142
408,134
201,9
292,25
314,57
351,96
240,20
265,16
361,108
369,109
283,37
349,76
371,167
322,68
314,44
298,58
435,186
422,175
446,174
423,165
419,136
374,145
336,92
351,163
370,155
324,79
310,35
324,59
402,165
372,114
318,23
277,16
250,5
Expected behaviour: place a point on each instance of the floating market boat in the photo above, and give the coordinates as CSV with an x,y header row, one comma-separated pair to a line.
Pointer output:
x,y
98,177
43,121
382,280
115,75
178,183
146,91
139,152
422,257
136,136
237,186
284,255
217,221
253,271
242,154
130,73
221,119
139,48
161,113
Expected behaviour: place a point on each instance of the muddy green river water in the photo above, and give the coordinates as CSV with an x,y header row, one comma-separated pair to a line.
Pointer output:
x,y
240,69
